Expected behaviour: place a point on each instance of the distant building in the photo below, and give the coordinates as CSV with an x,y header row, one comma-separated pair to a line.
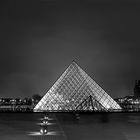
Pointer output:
x,y
129,103
137,89
16,104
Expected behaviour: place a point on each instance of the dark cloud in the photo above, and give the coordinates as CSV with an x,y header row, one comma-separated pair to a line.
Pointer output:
x,y
39,39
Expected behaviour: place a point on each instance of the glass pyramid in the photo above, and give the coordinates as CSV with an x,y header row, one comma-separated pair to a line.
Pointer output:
x,y
76,91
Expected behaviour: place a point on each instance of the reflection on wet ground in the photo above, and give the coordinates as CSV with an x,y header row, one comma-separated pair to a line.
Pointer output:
x,y
64,126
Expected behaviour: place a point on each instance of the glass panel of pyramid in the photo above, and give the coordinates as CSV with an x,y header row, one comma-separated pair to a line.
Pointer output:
x,y
76,91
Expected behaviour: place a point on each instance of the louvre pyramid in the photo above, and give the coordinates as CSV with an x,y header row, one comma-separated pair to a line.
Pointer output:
x,y
76,91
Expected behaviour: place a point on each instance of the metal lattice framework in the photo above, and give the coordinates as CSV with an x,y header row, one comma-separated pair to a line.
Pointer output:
x,y
76,91
90,104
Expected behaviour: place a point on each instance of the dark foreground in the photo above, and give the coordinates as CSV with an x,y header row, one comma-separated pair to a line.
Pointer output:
x,y
104,126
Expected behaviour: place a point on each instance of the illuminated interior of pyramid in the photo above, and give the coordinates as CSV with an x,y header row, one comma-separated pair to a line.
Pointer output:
x,y
76,91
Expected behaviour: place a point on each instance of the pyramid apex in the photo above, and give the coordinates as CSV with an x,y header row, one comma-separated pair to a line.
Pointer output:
x,y
74,62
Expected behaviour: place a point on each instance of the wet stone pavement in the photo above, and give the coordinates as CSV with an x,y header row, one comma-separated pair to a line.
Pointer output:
x,y
65,126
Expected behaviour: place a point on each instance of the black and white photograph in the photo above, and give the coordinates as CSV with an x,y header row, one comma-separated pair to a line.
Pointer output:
x,y
69,70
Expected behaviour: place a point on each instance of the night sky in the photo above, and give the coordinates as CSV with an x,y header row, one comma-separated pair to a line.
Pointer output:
x,y
39,40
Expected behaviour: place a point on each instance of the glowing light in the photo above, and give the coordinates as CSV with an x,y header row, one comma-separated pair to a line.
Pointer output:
x,y
71,89
45,122
43,131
